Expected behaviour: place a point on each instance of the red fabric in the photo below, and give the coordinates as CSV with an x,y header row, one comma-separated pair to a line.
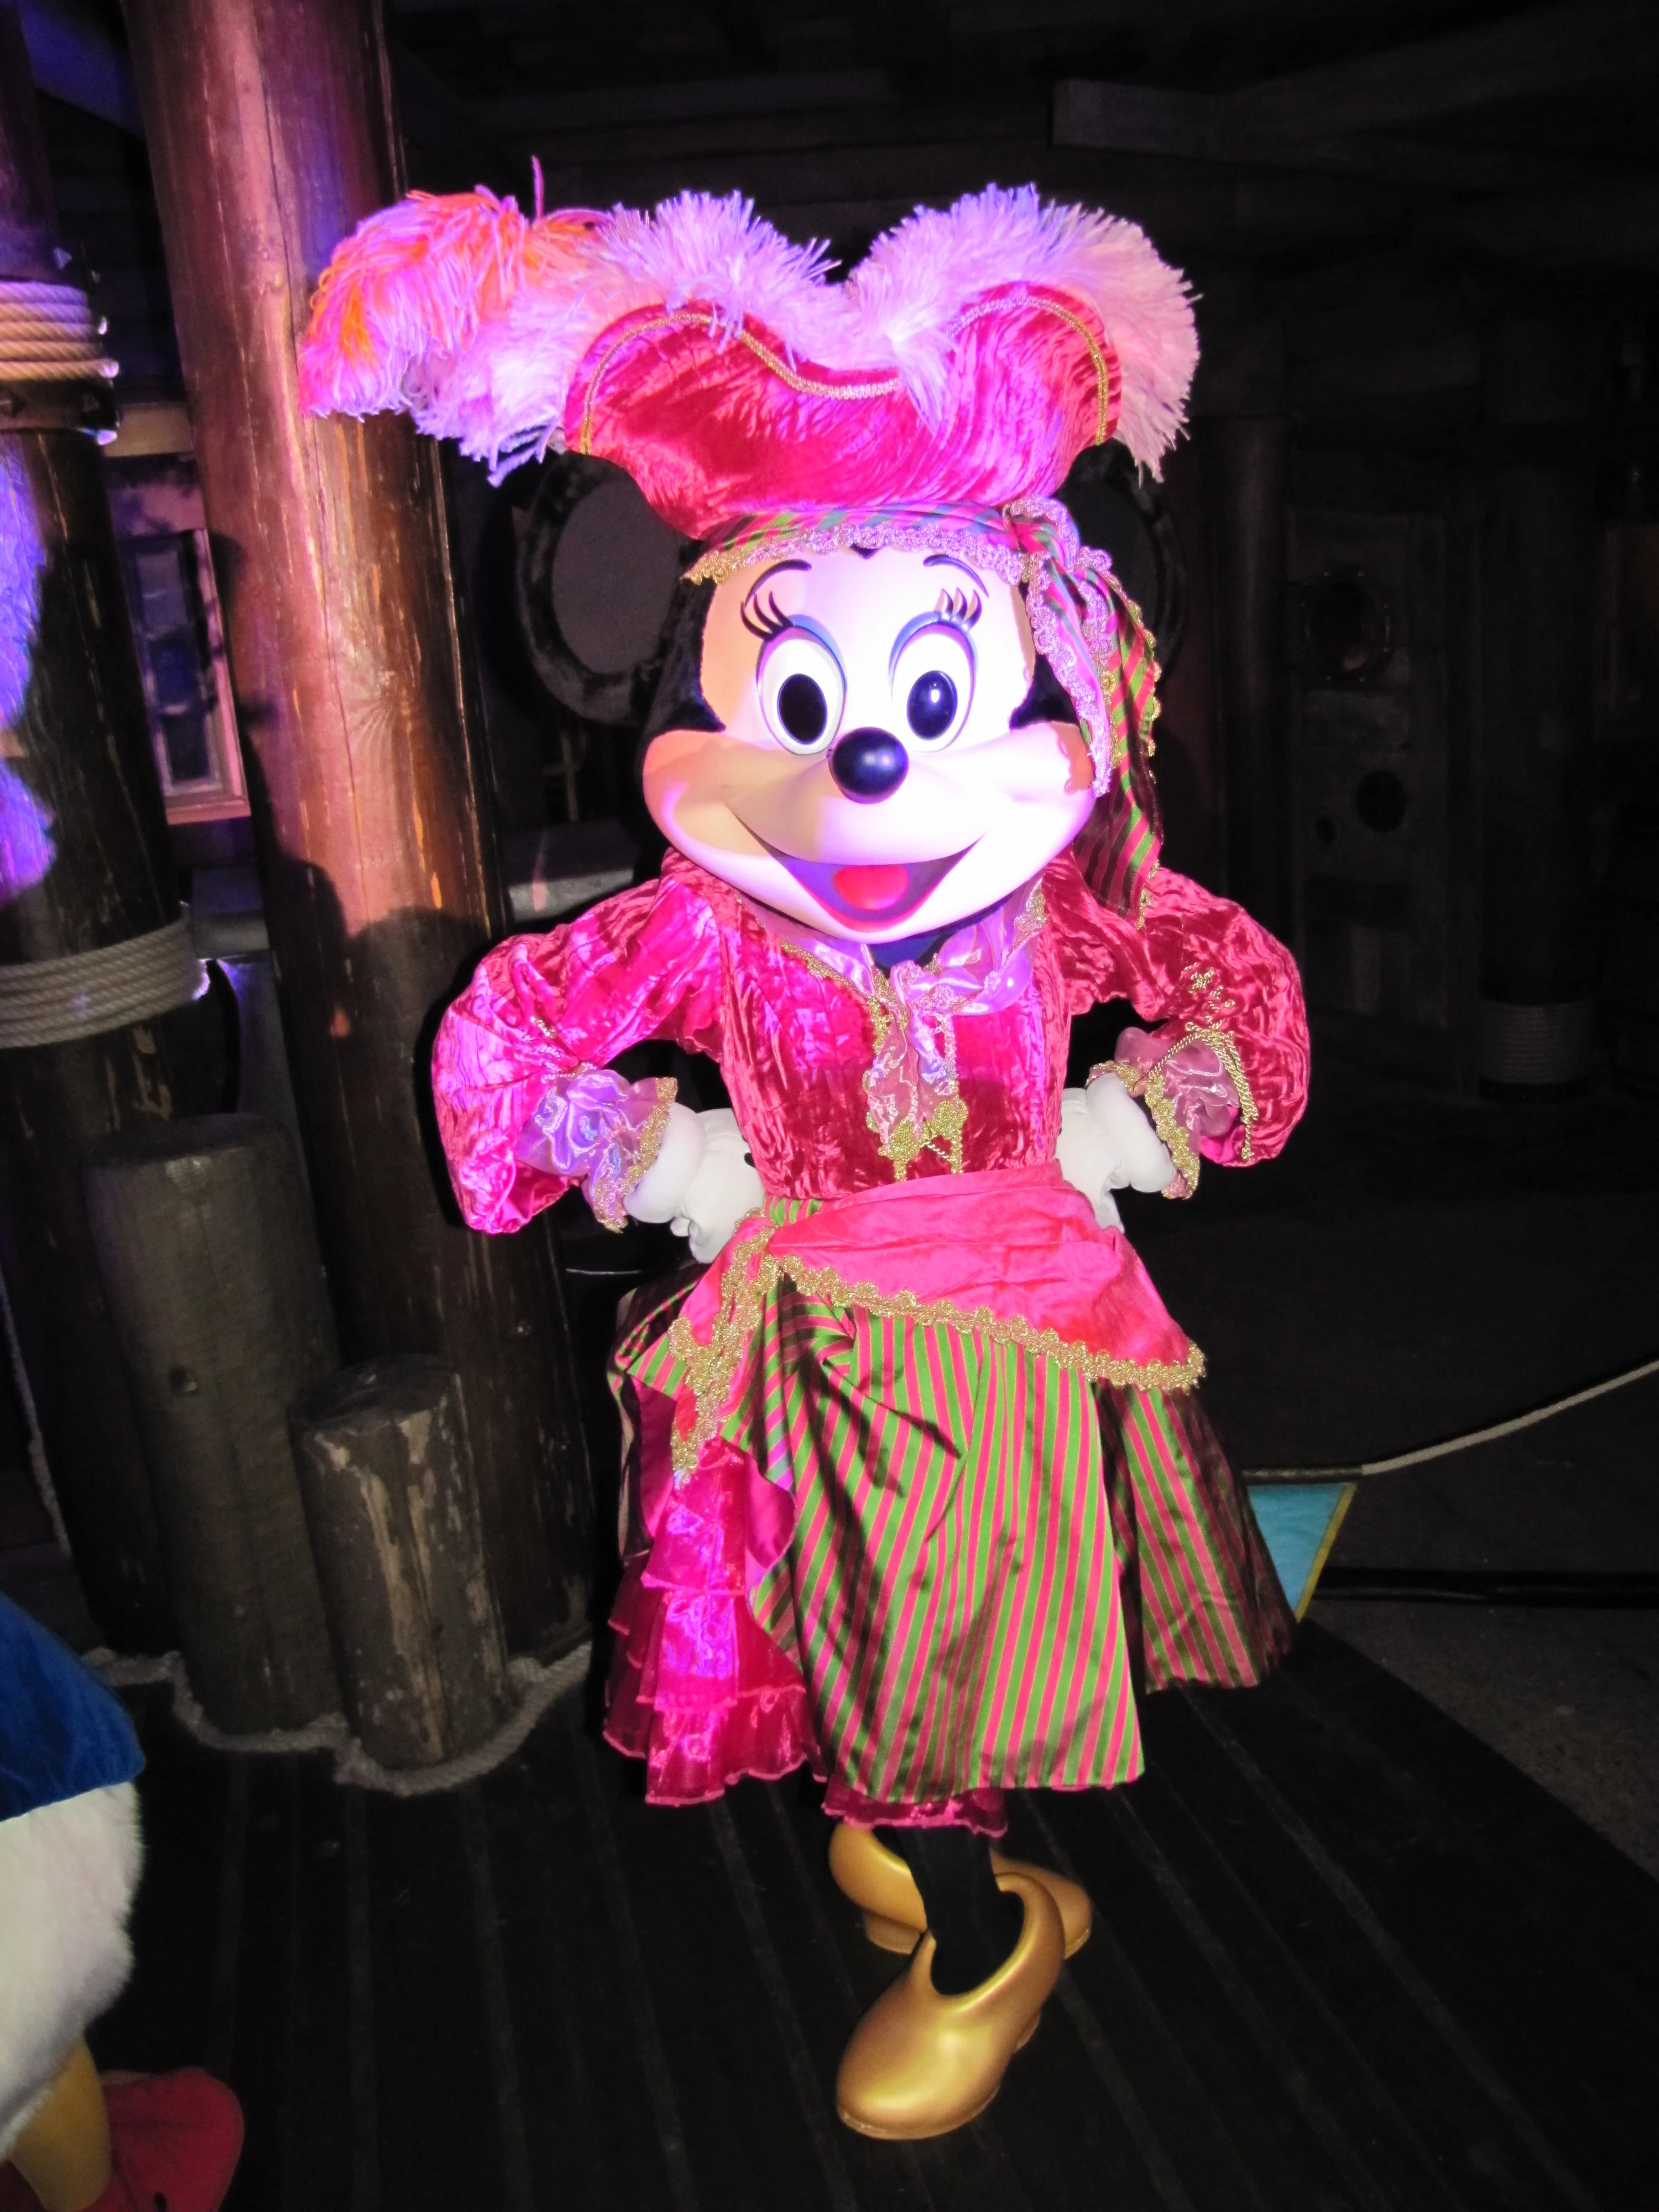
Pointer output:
x,y
1194,1078
1195,959
1036,1257
174,2139
701,1694
698,1690
711,432
688,959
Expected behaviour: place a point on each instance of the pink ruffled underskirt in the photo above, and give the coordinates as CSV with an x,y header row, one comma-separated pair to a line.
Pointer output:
x,y
698,1689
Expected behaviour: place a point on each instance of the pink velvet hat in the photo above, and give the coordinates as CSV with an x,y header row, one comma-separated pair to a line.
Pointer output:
x,y
969,358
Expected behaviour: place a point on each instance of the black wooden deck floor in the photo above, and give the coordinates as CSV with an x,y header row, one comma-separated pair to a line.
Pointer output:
x,y
1343,1958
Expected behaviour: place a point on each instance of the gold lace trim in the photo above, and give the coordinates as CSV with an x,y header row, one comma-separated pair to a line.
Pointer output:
x,y
609,1194
907,534
945,1126
651,1136
1227,1052
1147,1085
1097,356
945,1123
948,1120
711,1369
884,388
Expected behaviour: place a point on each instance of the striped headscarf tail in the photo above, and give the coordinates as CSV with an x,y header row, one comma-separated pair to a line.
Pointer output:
x,y
1117,847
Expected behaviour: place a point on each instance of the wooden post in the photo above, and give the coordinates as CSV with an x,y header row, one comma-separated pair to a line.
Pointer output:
x,y
84,867
1245,442
209,1263
1537,963
270,135
387,1478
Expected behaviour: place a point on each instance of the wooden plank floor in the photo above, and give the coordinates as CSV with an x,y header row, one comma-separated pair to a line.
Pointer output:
x,y
1345,1957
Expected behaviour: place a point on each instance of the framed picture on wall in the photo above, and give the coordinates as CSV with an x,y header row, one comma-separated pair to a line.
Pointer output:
x,y
167,563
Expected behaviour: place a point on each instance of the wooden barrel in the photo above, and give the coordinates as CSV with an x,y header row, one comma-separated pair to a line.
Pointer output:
x,y
1630,967
387,1476
208,1261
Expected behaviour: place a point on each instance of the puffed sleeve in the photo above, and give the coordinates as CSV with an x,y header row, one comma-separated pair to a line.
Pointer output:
x,y
518,1053
1208,976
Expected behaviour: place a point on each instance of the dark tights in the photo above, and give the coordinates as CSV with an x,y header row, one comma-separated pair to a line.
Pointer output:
x,y
974,1925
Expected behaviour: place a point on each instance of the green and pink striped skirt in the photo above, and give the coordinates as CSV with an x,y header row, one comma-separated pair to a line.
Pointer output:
x,y
932,1564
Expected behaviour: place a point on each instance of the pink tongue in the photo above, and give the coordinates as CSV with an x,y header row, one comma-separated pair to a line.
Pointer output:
x,y
871,889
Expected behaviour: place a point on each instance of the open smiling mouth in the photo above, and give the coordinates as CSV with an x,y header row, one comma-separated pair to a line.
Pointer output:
x,y
868,894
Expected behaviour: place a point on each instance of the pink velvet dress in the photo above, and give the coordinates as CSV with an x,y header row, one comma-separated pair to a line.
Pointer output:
x,y
917,1481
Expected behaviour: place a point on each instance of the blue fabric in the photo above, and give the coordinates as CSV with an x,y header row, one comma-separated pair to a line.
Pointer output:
x,y
1299,1522
61,1732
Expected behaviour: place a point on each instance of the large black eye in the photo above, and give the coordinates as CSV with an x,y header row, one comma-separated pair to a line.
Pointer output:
x,y
932,705
803,709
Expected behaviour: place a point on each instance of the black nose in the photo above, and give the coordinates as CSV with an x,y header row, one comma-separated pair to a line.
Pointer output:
x,y
869,763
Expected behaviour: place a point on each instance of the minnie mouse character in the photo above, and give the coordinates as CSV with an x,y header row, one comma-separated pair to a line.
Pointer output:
x,y
917,1478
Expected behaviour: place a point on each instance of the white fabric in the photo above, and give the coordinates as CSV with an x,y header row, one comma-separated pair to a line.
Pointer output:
x,y
67,1873
1106,1144
656,1196
1140,1159
702,1182
725,1188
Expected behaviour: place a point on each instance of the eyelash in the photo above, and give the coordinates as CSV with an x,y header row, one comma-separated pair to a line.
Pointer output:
x,y
761,617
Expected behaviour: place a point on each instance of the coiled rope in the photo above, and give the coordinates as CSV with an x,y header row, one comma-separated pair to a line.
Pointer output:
x,y
80,993
48,335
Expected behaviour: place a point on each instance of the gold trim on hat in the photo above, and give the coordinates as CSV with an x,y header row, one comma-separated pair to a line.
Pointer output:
x,y
1103,359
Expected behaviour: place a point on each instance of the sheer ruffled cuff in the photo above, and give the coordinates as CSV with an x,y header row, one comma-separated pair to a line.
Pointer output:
x,y
1190,1079
594,1129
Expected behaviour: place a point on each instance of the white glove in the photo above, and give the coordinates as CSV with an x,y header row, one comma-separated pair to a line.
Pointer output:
x,y
1140,1159
1086,1158
702,1182
1106,1142
656,1196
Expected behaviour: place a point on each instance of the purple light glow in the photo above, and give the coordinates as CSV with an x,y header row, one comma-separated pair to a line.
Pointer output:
x,y
26,851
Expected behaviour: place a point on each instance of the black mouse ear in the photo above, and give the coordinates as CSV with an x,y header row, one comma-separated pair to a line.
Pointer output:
x,y
1046,701
1123,510
598,578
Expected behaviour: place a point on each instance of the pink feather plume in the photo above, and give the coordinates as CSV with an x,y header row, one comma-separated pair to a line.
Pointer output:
x,y
475,319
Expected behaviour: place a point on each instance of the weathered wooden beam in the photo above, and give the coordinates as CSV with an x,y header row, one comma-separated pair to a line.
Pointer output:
x,y
1194,126
383,1461
1243,444
907,175
1615,224
1140,119
1240,215
1539,918
209,1259
1527,57
985,125
1175,19
271,136
78,59
609,105
84,869
459,152
28,217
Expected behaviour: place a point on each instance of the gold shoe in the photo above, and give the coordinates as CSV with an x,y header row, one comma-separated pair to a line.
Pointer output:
x,y
920,2065
877,1880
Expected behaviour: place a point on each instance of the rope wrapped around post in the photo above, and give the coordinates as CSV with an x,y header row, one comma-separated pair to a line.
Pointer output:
x,y
48,335
79,994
